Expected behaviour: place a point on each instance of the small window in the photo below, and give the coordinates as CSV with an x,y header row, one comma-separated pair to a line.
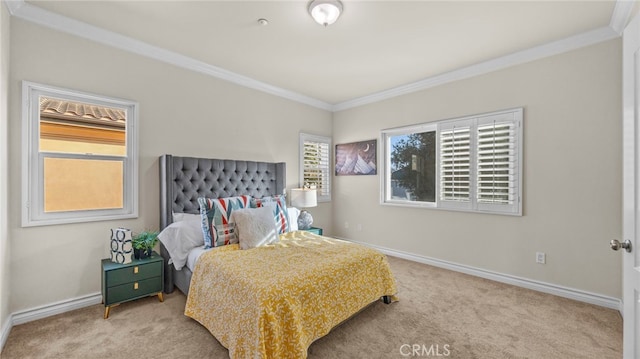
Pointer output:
x,y
315,164
411,163
471,164
80,157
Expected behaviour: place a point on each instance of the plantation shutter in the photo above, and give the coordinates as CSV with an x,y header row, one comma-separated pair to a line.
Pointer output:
x,y
316,164
455,164
498,162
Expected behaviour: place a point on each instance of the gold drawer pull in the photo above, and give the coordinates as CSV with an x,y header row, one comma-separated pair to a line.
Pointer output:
x,y
135,270
135,285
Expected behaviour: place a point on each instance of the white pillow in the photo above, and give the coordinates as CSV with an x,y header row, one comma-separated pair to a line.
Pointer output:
x,y
179,238
255,227
294,213
179,217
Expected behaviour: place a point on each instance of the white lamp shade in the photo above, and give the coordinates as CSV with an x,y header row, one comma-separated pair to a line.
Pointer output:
x,y
325,12
304,198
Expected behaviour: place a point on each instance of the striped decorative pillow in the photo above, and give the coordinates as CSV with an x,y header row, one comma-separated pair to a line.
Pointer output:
x,y
280,212
215,213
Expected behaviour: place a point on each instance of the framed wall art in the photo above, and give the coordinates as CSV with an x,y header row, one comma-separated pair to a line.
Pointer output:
x,y
357,158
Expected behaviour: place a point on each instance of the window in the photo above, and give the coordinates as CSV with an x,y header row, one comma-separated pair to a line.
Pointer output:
x,y
471,164
79,157
411,165
315,164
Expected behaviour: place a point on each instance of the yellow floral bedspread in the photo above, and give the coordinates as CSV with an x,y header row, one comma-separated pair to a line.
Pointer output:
x,y
274,301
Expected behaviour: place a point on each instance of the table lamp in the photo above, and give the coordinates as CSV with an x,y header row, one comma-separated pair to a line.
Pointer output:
x,y
304,198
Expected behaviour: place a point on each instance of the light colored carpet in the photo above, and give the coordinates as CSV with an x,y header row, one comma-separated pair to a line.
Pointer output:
x,y
439,312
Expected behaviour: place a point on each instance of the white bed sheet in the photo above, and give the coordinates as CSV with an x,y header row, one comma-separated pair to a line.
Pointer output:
x,y
194,254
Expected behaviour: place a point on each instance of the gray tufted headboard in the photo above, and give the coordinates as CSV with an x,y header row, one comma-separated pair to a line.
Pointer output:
x,y
184,179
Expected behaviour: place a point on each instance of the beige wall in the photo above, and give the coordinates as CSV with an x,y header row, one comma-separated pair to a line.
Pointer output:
x,y
4,239
572,194
181,112
572,173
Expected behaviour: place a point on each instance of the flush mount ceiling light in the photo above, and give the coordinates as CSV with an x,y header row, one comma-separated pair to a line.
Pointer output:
x,y
325,12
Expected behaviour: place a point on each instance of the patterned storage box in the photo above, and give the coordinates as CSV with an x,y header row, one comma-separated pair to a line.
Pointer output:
x,y
121,245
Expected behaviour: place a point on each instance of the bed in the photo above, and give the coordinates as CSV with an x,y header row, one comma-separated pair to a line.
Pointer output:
x,y
184,179
274,300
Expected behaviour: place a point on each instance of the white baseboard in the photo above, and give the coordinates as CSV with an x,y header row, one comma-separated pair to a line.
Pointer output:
x,y
561,291
4,331
45,311
55,308
571,293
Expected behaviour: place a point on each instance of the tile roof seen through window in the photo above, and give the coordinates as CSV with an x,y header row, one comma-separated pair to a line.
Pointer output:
x,y
82,112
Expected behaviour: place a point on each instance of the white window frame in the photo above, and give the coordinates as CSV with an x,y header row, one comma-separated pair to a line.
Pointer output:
x,y
385,194
33,213
514,116
305,137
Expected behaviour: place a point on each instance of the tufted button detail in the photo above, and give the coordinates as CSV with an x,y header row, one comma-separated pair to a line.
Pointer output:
x,y
193,178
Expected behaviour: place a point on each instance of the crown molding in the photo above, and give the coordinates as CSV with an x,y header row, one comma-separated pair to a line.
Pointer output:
x,y
28,12
35,14
13,5
553,48
621,14
619,18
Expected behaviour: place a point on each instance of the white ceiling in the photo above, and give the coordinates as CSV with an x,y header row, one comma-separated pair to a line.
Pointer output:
x,y
374,46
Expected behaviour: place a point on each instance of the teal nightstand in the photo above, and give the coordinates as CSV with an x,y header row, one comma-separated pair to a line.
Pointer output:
x,y
124,282
315,230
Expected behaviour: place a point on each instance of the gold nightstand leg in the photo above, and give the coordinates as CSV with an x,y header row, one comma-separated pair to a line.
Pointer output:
x,y
106,312
160,297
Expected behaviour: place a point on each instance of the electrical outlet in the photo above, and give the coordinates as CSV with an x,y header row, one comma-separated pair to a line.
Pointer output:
x,y
346,224
541,257
359,226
